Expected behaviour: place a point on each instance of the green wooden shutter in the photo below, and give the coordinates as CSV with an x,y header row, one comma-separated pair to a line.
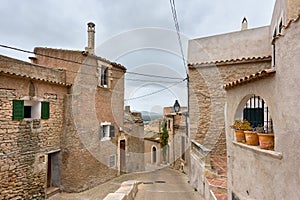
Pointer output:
x,y
45,110
18,109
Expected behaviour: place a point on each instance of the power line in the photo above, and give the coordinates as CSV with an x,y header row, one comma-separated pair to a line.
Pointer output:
x,y
80,63
174,13
155,92
92,74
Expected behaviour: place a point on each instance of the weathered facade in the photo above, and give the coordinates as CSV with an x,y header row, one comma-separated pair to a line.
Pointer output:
x,y
133,137
30,141
178,147
152,145
214,61
94,114
74,146
245,68
263,171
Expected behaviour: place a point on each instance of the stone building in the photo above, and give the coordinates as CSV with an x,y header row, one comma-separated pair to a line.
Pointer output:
x,y
152,145
31,120
94,114
133,141
178,147
255,173
61,118
236,59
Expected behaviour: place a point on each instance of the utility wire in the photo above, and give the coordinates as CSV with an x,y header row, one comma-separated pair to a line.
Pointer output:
x,y
93,74
174,13
155,92
80,63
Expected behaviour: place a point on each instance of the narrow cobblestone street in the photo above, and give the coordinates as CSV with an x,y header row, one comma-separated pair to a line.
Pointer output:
x,y
161,184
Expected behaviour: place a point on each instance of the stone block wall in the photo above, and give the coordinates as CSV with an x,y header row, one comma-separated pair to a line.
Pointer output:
x,y
24,143
208,100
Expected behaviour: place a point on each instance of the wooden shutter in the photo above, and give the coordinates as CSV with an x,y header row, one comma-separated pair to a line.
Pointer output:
x,y
18,109
45,114
112,131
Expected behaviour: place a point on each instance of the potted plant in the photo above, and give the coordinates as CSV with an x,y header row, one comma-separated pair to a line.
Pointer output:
x,y
251,137
266,138
240,126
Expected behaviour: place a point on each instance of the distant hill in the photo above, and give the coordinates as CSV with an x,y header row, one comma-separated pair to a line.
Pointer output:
x,y
150,116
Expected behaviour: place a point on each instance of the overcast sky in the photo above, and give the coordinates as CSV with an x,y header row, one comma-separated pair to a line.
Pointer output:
x,y
62,24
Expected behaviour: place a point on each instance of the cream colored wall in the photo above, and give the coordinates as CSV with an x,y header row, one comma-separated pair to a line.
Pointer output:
x,y
236,45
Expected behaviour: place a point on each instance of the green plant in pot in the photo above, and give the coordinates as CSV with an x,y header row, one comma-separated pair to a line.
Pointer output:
x,y
240,126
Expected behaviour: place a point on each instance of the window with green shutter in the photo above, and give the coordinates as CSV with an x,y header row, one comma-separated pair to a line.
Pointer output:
x,y
45,110
18,109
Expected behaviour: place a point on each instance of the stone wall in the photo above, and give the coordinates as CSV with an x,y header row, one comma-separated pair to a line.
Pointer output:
x,y
86,159
25,143
210,100
134,136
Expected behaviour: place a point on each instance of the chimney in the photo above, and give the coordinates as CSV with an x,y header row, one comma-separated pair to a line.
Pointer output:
x,y
244,24
91,38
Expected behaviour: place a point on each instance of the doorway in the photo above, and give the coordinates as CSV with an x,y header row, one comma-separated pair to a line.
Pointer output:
x,y
122,156
154,160
53,171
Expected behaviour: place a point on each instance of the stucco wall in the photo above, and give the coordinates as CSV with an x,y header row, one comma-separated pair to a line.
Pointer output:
x,y
242,44
251,174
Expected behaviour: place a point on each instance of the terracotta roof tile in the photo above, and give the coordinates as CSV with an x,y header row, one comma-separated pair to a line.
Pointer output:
x,y
232,61
251,77
34,78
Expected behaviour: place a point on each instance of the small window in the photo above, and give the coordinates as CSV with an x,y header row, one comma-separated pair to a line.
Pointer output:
x,y
280,26
112,161
27,111
30,110
275,33
106,131
257,113
104,76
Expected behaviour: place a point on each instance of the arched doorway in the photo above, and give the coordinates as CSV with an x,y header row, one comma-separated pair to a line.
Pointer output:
x,y
154,157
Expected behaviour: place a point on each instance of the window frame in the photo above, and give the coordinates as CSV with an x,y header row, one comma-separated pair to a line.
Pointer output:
x,y
18,110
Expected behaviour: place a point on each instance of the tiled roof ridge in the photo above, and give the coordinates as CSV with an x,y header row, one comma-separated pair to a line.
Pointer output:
x,y
10,59
85,53
251,77
243,59
285,27
34,78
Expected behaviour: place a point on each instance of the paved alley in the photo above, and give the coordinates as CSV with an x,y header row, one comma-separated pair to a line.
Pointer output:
x,y
161,184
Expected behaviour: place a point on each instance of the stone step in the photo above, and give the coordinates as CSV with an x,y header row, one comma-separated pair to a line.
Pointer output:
x,y
52,191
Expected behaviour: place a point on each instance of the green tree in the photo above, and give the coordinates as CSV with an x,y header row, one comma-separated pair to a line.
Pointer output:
x,y
164,138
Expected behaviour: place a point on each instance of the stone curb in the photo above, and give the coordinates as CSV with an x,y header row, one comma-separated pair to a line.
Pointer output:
x,y
127,191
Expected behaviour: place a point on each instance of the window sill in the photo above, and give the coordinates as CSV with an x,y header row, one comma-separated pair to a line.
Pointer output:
x,y
257,149
105,139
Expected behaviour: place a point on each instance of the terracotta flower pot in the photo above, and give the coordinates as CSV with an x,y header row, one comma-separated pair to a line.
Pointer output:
x,y
251,138
266,141
240,136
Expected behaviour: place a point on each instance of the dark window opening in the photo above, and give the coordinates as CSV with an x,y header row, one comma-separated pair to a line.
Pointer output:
x,y
153,154
104,76
27,111
275,33
257,113
280,26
